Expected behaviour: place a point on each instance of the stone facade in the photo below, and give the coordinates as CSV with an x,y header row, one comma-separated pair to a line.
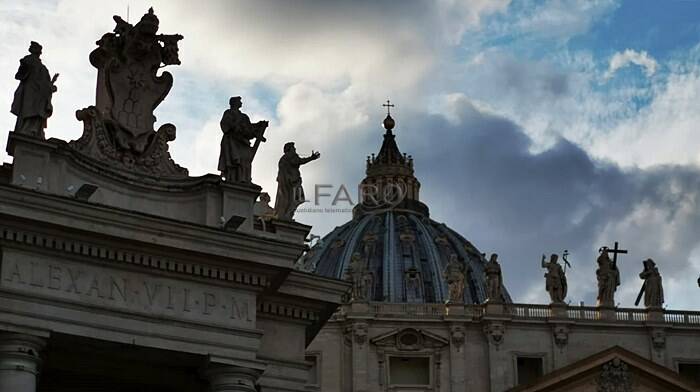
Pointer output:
x,y
472,348
105,273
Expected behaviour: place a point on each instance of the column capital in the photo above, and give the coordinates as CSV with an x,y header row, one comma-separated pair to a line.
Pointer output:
x,y
20,352
228,378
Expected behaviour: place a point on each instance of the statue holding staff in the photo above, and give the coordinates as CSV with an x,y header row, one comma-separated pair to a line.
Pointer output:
x,y
236,157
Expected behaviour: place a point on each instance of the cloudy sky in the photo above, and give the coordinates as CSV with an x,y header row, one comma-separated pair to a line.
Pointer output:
x,y
536,126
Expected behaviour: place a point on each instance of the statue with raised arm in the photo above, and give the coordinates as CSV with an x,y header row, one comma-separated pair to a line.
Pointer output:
x,y
652,288
236,156
608,279
290,193
454,276
555,279
32,101
494,280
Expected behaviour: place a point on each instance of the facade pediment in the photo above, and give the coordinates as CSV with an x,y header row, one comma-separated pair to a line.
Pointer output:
x,y
410,339
612,370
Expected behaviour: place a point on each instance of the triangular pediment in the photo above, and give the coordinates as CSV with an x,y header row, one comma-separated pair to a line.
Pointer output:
x,y
613,366
409,339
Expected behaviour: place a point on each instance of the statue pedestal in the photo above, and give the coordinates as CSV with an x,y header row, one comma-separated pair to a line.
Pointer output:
x,y
607,313
494,308
454,309
290,231
52,166
559,310
655,314
359,307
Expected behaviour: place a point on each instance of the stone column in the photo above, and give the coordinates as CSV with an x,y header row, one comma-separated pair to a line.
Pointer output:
x,y
223,378
19,361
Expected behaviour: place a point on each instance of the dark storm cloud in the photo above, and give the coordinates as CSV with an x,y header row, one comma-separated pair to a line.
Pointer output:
x,y
480,178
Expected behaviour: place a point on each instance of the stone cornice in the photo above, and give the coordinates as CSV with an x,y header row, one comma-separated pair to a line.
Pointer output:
x,y
122,224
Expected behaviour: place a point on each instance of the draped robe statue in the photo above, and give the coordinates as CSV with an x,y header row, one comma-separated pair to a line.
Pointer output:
x,y
237,154
290,194
32,100
555,279
454,276
653,288
362,279
494,280
608,279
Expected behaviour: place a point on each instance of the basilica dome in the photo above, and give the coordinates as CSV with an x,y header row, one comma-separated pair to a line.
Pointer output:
x,y
392,237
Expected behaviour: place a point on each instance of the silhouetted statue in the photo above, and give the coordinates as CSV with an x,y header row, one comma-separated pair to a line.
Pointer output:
x,y
555,279
608,279
119,129
32,101
290,193
237,155
652,288
494,280
454,276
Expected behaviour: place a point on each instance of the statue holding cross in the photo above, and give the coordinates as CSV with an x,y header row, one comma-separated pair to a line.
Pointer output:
x,y
608,275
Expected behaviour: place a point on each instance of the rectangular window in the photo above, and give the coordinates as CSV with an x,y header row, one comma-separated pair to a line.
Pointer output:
x,y
409,370
690,372
314,371
529,369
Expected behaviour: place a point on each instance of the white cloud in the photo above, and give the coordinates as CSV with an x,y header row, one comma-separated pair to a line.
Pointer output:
x,y
623,59
563,19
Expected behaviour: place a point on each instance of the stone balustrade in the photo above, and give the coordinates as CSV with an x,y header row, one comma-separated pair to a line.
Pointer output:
x,y
434,311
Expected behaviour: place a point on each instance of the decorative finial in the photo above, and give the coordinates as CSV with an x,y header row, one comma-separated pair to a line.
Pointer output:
x,y
389,122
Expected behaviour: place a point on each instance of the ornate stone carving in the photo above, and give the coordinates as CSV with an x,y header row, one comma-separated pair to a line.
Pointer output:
x,y
98,142
359,333
561,335
457,336
32,100
555,279
119,130
658,338
236,157
652,288
290,193
495,331
454,274
615,377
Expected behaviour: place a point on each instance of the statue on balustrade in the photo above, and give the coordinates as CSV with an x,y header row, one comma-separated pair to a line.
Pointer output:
x,y
32,100
608,279
362,279
555,279
290,193
494,280
652,288
236,156
454,274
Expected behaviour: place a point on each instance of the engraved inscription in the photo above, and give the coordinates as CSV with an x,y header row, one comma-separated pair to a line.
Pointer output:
x,y
136,292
